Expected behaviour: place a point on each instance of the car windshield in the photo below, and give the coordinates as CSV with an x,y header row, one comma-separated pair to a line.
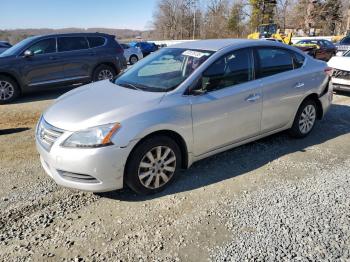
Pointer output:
x,y
345,41
163,70
17,47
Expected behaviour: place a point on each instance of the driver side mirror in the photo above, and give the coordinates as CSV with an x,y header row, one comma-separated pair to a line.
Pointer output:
x,y
197,88
28,53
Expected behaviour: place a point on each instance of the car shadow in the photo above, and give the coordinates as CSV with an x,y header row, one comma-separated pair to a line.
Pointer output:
x,y
43,95
10,131
246,158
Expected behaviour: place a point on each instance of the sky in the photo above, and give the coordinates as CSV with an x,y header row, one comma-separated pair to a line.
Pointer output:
x,y
131,14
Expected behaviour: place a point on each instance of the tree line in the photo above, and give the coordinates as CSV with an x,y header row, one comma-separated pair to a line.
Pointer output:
x,y
186,19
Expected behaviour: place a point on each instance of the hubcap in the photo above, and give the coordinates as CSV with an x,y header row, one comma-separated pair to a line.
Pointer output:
x,y
6,90
133,60
105,74
307,119
157,167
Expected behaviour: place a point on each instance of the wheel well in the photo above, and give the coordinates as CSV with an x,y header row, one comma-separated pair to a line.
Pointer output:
x,y
319,109
178,140
107,64
13,78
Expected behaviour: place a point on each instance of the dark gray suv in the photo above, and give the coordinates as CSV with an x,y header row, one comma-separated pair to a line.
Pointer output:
x,y
42,62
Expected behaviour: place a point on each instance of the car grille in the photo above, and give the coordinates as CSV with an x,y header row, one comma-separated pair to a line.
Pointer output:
x,y
341,74
48,134
74,177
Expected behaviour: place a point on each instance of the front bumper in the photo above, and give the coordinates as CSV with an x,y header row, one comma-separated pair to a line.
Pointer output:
x,y
96,170
340,84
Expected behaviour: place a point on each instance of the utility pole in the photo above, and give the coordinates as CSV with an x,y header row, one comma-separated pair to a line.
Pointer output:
x,y
194,19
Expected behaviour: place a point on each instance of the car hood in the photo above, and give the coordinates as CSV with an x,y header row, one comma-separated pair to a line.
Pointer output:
x,y
98,104
6,59
340,62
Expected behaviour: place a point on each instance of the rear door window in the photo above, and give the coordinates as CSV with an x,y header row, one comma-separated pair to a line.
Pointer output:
x,y
72,43
96,41
273,61
45,46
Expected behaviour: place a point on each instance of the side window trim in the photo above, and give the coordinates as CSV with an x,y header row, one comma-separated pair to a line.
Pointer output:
x,y
21,54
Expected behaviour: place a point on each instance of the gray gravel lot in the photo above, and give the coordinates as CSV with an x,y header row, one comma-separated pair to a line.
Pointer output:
x,y
277,199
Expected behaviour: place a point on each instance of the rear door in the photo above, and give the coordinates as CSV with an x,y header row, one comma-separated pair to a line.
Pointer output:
x,y
230,110
283,85
45,67
77,56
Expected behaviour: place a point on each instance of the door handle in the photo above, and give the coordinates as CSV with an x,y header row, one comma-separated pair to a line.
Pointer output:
x,y
253,97
53,58
299,85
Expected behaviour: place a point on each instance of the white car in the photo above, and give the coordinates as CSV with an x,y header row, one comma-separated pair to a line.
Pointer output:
x,y
341,72
132,54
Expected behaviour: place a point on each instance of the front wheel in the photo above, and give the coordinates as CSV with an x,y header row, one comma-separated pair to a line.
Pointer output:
x,y
305,119
9,90
153,165
133,59
103,72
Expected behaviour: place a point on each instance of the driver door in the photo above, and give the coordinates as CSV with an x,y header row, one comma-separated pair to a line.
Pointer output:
x,y
230,109
44,67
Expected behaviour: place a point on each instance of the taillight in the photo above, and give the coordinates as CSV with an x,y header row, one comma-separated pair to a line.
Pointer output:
x,y
328,71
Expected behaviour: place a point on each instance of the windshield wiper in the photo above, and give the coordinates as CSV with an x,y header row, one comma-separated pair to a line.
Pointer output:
x,y
129,85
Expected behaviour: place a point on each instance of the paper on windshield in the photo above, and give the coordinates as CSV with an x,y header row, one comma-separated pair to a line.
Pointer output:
x,y
195,54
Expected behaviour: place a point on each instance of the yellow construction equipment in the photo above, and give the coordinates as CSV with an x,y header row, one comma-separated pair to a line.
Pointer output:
x,y
271,31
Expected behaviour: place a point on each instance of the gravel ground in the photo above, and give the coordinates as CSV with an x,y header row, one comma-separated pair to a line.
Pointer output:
x,y
277,199
304,221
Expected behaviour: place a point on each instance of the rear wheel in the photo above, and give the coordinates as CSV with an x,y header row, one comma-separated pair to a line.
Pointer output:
x,y
103,72
9,90
153,165
305,119
133,59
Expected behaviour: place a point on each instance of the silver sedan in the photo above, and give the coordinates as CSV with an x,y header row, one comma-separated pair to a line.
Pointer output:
x,y
132,54
177,106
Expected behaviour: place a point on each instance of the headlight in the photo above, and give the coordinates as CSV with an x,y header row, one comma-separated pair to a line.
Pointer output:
x,y
98,136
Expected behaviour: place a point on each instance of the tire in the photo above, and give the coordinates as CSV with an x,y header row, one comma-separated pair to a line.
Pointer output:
x,y
103,72
142,173
9,90
133,59
305,119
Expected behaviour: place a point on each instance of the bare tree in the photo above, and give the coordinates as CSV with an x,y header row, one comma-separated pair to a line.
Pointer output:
x,y
216,19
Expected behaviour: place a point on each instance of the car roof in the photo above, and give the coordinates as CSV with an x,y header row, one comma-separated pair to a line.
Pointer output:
x,y
76,34
217,44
